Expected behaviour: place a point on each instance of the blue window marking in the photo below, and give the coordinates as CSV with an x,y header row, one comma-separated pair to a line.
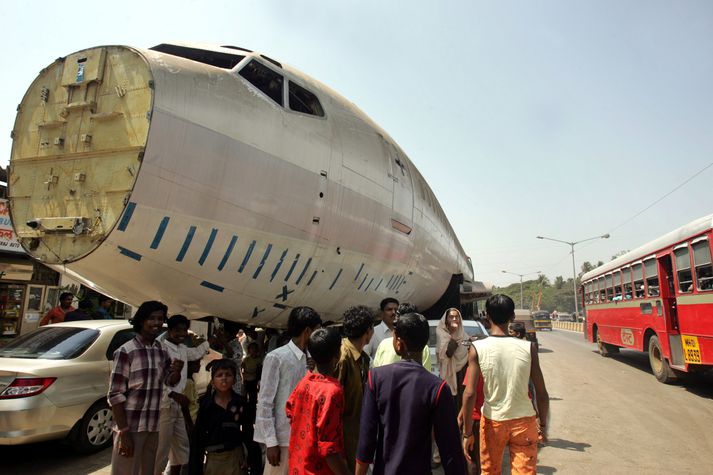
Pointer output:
x,y
314,274
262,261
128,213
228,251
211,286
335,279
366,276
279,305
378,285
292,268
247,257
159,232
208,245
358,273
186,244
369,284
302,274
396,282
134,255
388,286
279,264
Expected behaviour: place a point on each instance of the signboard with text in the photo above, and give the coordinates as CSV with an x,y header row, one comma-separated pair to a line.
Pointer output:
x,y
8,239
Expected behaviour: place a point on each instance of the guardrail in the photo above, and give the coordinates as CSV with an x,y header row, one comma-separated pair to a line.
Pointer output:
x,y
571,326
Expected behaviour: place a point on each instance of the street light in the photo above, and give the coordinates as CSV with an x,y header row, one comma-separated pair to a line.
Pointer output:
x,y
521,276
574,271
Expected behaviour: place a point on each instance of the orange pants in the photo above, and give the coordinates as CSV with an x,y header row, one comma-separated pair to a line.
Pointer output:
x,y
518,434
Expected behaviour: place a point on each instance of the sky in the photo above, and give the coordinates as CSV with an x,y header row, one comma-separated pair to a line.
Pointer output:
x,y
560,118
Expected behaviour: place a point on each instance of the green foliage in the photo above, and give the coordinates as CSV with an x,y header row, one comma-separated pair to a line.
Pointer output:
x,y
553,298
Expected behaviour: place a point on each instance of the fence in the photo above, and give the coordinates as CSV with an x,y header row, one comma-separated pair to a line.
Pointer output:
x,y
571,326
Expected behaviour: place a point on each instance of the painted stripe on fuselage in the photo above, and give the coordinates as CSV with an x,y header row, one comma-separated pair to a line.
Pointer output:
x,y
212,286
186,244
366,276
279,264
228,251
292,268
262,261
302,274
369,284
309,282
247,257
133,255
335,279
159,232
128,213
358,273
208,245
379,284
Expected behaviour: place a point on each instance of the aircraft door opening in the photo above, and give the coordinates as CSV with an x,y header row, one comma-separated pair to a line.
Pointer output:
x,y
402,203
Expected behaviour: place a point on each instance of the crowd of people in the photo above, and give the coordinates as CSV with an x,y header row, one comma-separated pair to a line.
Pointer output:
x,y
340,399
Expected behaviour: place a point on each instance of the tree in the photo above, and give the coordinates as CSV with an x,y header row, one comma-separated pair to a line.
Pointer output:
x,y
559,282
619,254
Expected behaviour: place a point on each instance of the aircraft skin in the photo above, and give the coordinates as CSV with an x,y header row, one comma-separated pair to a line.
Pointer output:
x,y
150,176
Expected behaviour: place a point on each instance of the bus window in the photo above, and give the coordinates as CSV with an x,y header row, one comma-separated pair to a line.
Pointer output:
x,y
638,277
683,270
610,289
588,290
617,285
702,262
652,278
626,283
602,290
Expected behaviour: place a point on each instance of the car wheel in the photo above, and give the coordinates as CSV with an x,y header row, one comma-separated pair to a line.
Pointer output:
x,y
93,432
659,365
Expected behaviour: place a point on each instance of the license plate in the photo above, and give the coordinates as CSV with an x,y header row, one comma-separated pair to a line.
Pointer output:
x,y
691,350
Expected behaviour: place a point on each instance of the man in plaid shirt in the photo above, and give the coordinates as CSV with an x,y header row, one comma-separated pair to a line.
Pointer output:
x,y
140,369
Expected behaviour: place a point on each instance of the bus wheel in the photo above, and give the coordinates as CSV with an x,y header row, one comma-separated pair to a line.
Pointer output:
x,y
605,349
659,365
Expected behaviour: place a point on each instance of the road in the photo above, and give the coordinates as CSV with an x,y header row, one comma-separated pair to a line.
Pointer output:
x,y
608,416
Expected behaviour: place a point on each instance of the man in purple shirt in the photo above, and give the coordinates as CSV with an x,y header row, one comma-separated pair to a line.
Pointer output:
x,y
403,404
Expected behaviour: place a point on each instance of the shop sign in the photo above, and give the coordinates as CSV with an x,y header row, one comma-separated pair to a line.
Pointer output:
x,y
8,239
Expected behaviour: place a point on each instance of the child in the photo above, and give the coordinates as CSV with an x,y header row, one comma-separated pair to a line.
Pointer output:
x,y
173,443
218,431
403,405
250,371
315,411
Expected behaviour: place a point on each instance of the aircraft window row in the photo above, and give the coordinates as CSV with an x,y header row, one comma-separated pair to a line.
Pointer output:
x,y
272,85
637,274
213,58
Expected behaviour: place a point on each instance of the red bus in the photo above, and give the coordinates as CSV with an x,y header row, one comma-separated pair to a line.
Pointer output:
x,y
658,299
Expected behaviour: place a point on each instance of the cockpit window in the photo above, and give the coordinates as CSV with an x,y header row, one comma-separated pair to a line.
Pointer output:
x,y
265,79
214,58
301,100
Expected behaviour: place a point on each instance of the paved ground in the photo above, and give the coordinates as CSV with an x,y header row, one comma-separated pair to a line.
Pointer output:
x,y
609,416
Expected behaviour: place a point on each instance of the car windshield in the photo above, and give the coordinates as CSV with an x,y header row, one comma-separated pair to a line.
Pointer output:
x,y
471,330
51,343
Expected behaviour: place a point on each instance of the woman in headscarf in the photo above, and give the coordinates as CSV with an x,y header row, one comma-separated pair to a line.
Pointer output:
x,y
451,353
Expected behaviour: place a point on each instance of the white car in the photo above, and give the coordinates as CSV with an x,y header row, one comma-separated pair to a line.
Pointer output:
x,y
474,329
54,382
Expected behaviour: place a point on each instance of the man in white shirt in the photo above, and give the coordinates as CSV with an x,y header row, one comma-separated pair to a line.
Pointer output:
x,y
384,329
173,444
282,369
